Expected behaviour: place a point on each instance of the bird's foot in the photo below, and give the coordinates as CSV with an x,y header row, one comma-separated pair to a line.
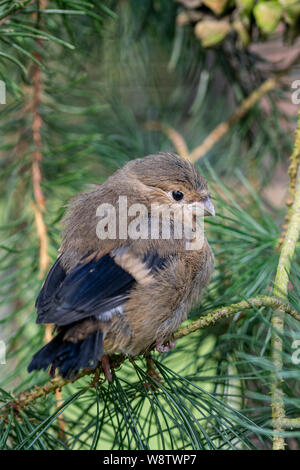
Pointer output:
x,y
106,367
165,348
152,373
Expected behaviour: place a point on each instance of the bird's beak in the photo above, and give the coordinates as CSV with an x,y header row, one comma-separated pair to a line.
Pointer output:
x,y
208,207
202,208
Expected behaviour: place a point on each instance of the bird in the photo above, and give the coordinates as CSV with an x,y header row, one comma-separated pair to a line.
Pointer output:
x,y
110,293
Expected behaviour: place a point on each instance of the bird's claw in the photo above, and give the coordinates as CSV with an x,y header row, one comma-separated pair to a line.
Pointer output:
x,y
151,385
106,367
165,348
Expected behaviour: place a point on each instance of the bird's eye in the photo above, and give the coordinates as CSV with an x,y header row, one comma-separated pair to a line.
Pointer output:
x,y
177,195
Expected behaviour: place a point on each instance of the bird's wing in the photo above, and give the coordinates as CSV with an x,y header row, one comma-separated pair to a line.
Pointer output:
x,y
97,287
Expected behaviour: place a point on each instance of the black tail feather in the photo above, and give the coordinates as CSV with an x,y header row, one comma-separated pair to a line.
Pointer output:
x,y
69,357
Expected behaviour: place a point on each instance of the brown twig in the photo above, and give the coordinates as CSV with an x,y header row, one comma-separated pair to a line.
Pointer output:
x,y
42,235
176,138
39,207
216,135
211,140
13,10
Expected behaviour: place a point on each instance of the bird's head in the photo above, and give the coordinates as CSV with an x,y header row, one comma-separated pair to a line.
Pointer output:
x,y
168,179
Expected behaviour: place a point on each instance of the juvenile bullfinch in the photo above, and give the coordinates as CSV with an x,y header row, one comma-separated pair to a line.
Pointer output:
x,y
116,293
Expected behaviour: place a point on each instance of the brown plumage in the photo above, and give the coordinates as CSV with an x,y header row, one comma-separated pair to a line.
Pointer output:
x,y
123,295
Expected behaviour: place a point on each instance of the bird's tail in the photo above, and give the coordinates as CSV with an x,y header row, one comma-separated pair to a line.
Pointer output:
x,y
69,357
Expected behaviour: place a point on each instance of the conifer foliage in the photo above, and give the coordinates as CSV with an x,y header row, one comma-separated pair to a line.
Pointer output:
x,y
86,86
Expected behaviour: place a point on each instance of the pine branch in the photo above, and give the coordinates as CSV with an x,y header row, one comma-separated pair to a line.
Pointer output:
x,y
25,398
281,291
290,423
225,312
293,168
17,7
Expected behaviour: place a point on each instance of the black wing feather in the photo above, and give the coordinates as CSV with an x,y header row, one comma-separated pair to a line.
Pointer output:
x,y
88,289
54,279
91,288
